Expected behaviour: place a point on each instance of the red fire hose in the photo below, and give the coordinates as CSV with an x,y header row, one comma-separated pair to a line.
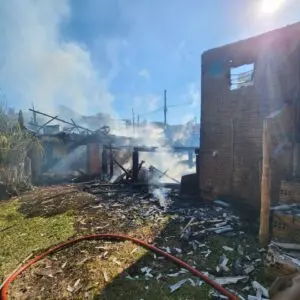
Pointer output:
x,y
11,278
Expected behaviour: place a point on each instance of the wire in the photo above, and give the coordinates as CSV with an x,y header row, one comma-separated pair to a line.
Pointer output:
x,y
168,106
181,104
152,111
12,277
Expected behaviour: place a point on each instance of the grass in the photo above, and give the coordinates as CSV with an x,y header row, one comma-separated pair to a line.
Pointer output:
x,y
22,236
150,290
122,287
46,216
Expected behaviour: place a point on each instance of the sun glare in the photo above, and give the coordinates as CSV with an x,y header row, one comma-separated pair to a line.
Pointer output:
x,y
270,6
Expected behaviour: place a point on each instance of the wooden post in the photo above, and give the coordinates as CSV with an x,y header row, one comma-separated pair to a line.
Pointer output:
x,y
135,164
265,189
104,161
111,162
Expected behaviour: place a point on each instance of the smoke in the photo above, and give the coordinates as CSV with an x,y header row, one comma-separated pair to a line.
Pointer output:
x,y
173,164
37,65
165,158
162,195
73,162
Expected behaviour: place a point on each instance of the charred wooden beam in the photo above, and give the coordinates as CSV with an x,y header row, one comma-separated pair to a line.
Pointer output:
x,y
104,162
111,162
60,120
48,122
135,164
121,167
156,149
75,125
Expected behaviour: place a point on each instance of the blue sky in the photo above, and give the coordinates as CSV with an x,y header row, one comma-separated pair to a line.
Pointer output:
x,y
128,51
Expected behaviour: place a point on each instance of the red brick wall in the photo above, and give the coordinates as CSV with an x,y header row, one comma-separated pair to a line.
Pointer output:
x,y
232,120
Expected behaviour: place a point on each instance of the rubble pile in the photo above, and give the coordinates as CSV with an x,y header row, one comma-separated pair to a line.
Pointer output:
x,y
283,258
210,237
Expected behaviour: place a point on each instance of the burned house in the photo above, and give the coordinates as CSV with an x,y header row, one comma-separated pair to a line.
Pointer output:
x,y
244,84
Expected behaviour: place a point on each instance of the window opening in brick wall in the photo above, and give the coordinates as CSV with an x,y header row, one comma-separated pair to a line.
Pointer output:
x,y
241,76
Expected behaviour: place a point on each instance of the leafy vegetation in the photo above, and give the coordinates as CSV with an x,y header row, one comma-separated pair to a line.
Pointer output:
x,y
15,145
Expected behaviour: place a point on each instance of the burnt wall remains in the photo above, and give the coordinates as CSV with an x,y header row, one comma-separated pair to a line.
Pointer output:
x,y
242,84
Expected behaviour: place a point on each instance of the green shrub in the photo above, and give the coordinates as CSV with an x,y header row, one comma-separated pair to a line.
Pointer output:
x,y
15,144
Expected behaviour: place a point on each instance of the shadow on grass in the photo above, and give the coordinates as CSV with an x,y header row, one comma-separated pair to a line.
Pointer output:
x,y
94,216
54,200
133,284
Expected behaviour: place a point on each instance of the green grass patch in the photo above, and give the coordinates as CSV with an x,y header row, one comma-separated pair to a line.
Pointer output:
x,y
21,236
151,290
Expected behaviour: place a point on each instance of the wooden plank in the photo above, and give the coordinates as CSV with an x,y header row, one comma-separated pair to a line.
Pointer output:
x,y
265,190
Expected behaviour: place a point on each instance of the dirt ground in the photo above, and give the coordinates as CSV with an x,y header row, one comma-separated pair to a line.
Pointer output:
x,y
104,269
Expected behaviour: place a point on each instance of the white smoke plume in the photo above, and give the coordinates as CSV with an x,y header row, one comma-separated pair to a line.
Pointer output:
x,y
38,66
165,159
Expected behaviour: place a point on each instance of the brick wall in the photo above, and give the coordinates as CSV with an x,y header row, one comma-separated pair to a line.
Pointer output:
x,y
232,120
